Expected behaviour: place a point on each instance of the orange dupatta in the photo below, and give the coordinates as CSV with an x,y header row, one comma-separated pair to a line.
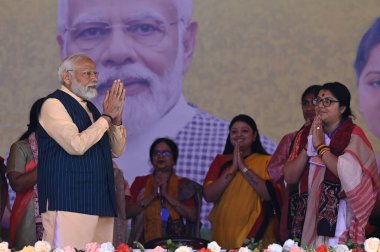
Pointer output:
x,y
152,214
239,212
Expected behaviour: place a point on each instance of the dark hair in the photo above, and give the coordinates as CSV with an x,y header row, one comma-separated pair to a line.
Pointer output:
x,y
313,89
172,145
370,39
256,145
343,95
33,118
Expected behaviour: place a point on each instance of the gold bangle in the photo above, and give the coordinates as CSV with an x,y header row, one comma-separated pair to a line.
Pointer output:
x,y
320,147
327,150
321,152
324,151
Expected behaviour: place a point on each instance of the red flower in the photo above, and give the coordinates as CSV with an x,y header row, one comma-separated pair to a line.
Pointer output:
x,y
321,248
357,250
205,250
123,248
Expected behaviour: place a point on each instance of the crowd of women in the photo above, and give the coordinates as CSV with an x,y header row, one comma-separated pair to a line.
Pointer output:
x,y
321,185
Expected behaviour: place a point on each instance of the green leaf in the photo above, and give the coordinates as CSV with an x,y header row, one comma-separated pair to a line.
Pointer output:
x,y
139,246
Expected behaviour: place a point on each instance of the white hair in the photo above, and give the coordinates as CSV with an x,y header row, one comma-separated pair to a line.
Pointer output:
x,y
69,62
184,8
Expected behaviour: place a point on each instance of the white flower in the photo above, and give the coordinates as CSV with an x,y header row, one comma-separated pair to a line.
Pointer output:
x,y
341,248
28,249
275,247
107,247
184,249
4,246
371,244
42,246
213,246
244,249
290,244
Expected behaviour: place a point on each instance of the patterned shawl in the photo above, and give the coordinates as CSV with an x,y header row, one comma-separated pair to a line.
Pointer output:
x,y
317,208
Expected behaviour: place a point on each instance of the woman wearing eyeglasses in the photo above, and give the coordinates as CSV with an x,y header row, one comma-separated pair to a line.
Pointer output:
x,y
160,201
333,168
237,183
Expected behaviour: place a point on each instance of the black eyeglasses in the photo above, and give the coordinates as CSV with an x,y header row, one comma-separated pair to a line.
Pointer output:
x,y
325,101
162,154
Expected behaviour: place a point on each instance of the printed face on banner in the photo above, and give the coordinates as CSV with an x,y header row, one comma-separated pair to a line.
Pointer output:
x,y
138,41
369,91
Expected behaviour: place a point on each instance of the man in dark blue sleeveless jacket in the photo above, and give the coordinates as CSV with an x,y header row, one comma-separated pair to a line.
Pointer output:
x,y
76,145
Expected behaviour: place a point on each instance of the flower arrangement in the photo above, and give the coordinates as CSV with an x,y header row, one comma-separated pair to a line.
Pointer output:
x,y
370,245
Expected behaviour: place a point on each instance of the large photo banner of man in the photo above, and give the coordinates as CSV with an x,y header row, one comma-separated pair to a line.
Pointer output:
x,y
190,66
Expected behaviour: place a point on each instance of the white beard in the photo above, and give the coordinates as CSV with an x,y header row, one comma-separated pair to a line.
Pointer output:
x,y
87,92
145,108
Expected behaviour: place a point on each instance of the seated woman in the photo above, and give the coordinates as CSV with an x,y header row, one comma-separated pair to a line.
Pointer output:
x,y
333,167
25,223
158,204
244,202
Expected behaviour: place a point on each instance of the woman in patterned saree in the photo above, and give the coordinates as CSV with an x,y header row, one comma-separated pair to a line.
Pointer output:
x,y
332,174
160,201
25,223
237,183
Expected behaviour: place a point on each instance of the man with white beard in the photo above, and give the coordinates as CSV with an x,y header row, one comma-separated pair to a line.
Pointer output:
x,y
76,144
149,45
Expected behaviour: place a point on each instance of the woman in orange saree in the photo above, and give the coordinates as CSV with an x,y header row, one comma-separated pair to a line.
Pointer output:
x,y
245,202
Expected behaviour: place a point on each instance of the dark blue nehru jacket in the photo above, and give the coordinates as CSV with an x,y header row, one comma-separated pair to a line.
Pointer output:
x,y
82,184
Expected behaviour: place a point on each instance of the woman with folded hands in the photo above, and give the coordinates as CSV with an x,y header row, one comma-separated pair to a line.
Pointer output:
x,y
333,168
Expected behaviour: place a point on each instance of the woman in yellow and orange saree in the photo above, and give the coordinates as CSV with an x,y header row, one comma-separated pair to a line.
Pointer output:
x,y
245,202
